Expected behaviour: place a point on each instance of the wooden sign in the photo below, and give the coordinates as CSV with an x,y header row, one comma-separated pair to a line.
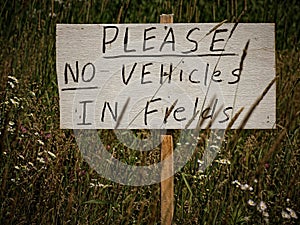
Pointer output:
x,y
164,76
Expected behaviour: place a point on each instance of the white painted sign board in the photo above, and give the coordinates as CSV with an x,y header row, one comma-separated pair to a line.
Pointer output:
x,y
129,75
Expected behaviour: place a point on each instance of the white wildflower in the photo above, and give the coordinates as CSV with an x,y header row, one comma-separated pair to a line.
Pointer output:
x,y
244,187
285,215
292,213
265,214
251,202
200,161
236,182
17,168
52,15
11,123
40,142
262,206
10,129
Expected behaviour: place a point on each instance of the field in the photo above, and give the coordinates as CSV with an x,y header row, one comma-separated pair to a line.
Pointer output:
x,y
43,177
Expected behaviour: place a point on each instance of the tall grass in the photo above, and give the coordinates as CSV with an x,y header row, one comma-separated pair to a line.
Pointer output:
x,y
43,178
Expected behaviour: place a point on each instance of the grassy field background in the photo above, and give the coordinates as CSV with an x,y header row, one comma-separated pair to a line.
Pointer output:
x,y
43,178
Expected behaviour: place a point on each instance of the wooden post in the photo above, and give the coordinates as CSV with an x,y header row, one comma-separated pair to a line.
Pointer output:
x,y
166,18
167,186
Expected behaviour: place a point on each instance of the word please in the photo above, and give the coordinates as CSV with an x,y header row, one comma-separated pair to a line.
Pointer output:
x,y
149,35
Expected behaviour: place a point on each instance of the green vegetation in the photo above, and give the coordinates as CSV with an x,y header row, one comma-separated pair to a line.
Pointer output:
x,y
43,178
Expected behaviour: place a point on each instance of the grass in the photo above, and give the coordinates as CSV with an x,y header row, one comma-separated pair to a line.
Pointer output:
x,y
43,177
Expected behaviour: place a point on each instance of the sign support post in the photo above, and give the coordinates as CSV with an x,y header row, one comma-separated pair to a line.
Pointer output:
x,y
167,186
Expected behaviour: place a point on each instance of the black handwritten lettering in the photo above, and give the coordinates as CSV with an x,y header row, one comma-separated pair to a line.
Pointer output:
x,y
180,75
170,55
113,114
214,40
172,41
226,114
167,114
125,81
205,113
105,42
152,111
74,76
206,72
236,73
84,112
93,72
190,77
195,106
79,88
145,73
192,40
216,73
168,111
126,42
163,74
179,110
147,38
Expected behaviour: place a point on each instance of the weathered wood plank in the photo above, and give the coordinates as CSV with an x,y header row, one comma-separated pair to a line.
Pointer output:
x,y
101,66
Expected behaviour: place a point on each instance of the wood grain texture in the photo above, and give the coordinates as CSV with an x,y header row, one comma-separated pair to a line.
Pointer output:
x,y
101,66
167,186
166,18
